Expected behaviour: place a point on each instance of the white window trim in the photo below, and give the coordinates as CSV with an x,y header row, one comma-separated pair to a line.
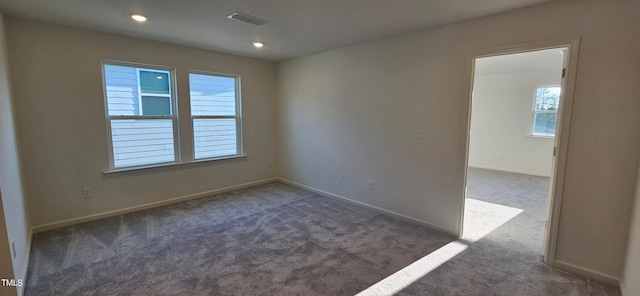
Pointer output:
x,y
173,116
165,165
238,117
533,134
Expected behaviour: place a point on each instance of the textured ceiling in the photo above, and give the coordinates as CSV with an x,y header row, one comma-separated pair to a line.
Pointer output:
x,y
295,28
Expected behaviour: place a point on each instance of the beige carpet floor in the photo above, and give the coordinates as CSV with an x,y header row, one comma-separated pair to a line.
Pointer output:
x,y
275,239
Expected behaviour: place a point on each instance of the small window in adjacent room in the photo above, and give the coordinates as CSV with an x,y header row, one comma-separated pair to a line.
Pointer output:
x,y
140,114
216,115
545,112
155,92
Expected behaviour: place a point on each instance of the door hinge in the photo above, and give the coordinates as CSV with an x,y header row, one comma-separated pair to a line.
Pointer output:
x,y
564,72
546,224
555,151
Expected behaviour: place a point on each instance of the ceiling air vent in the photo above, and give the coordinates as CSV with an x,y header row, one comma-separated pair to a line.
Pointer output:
x,y
239,16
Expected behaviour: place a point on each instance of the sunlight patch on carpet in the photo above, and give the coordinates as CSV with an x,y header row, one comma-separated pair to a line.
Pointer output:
x,y
416,270
481,218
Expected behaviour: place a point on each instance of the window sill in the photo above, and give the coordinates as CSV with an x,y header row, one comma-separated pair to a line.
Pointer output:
x,y
170,165
541,136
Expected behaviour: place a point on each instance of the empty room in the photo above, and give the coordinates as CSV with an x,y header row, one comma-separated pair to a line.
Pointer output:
x,y
513,130
319,147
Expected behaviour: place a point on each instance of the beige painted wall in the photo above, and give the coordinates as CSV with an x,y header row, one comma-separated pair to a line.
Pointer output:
x,y
57,82
358,111
630,280
14,223
502,120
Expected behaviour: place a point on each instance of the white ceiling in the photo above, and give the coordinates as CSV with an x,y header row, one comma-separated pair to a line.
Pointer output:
x,y
295,27
548,59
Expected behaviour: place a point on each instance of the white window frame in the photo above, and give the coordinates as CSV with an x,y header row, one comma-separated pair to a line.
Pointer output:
x,y
535,112
140,94
237,116
173,116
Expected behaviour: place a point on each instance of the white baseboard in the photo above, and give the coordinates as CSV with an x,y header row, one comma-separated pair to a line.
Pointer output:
x,y
74,221
510,170
364,205
588,273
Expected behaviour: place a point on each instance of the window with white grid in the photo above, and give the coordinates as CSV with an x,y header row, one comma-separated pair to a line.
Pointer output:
x,y
216,116
141,117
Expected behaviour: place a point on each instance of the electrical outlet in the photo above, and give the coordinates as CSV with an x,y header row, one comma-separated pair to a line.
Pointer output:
x,y
500,155
371,184
86,192
13,248
269,164
340,178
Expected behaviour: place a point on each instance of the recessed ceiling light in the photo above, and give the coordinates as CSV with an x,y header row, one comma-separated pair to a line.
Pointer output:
x,y
139,17
258,44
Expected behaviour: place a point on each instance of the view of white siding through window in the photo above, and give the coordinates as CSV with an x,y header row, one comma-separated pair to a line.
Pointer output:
x,y
139,107
215,115
139,141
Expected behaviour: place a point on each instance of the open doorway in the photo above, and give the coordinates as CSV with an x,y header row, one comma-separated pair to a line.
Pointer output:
x,y
515,123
